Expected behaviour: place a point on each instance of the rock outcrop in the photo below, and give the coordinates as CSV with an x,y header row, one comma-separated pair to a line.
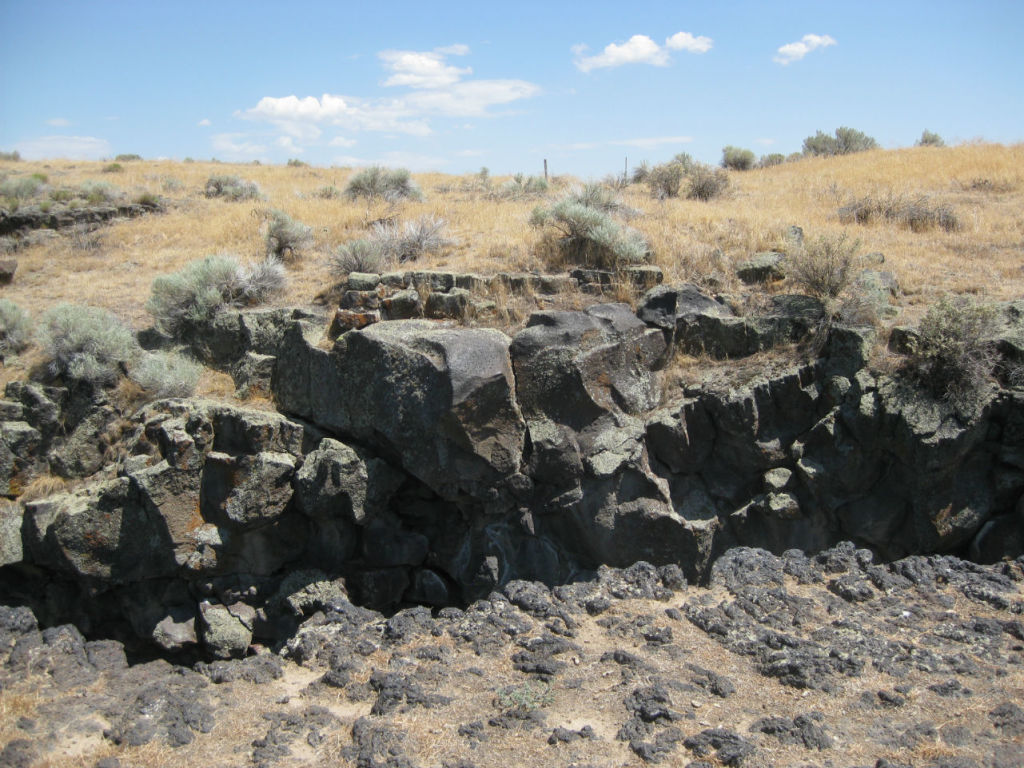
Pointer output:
x,y
420,462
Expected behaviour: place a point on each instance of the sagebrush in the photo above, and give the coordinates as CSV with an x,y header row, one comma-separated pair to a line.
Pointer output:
x,y
377,182
86,344
286,238
587,233
192,296
955,356
15,328
232,188
166,374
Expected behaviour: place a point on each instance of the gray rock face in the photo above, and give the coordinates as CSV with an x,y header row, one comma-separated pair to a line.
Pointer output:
x,y
442,400
430,463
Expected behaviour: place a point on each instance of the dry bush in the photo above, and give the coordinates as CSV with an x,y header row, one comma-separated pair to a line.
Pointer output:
x,y
383,183
955,356
824,267
918,213
286,238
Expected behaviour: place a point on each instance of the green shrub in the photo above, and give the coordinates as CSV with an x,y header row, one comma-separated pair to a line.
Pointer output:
x,y
294,162
62,194
232,188
150,200
524,698
15,328
329,192
86,343
113,168
666,180
771,160
640,173
286,237
737,159
521,187
12,156
361,255
98,192
600,197
384,183
183,300
128,158
845,141
166,374
824,267
20,187
929,139
171,184
955,354
193,295
706,182
589,235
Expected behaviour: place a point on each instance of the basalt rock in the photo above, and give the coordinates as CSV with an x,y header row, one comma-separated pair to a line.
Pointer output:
x,y
415,461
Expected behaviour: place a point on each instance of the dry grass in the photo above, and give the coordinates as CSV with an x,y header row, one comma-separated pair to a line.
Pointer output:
x,y
691,240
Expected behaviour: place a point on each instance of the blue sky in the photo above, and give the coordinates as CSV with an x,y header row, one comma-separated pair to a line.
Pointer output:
x,y
457,86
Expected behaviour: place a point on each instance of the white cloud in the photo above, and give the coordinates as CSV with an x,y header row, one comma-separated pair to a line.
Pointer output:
x,y
299,117
288,143
72,147
58,122
684,41
235,145
764,142
415,69
640,49
470,152
436,89
341,141
791,52
204,123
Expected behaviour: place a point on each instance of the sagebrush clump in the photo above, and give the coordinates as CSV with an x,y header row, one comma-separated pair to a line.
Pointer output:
x,y
377,182
360,255
15,328
232,188
193,295
86,343
286,237
845,141
737,158
954,355
918,214
824,267
587,233
166,374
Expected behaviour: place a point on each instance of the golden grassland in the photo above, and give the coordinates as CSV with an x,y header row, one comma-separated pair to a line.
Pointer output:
x,y
691,240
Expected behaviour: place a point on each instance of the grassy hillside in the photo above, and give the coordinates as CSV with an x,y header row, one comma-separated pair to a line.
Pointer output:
x,y
982,185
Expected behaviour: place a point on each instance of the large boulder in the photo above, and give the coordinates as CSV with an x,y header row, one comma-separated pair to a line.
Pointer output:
x,y
439,400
